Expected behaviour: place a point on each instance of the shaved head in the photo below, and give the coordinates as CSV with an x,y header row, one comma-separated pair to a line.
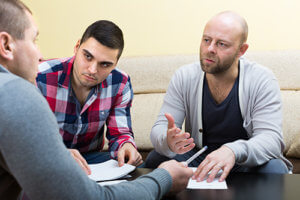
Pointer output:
x,y
234,21
223,43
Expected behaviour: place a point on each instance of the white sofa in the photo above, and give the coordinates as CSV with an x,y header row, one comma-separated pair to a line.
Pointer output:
x,y
150,77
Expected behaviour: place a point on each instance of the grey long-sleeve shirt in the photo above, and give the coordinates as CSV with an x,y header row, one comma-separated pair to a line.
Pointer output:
x,y
34,158
260,104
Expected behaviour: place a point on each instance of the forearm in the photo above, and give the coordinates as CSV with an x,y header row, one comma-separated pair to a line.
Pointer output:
x,y
151,186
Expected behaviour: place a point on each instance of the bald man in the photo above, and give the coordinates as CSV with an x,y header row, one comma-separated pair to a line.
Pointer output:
x,y
229,104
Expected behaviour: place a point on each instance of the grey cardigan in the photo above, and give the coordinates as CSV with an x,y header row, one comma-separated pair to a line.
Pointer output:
x,y
260,104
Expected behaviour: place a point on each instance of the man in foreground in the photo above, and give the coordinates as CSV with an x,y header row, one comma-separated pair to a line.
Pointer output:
x,y
33,157
229,104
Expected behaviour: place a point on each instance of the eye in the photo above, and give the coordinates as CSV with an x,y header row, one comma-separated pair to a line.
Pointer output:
x,y
222,44
88,56
106,64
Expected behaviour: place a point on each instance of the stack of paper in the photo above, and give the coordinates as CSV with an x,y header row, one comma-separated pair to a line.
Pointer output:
x,y
109,170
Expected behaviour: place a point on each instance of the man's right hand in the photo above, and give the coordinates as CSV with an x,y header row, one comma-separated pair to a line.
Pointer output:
x,y
80,160
180,174
178,143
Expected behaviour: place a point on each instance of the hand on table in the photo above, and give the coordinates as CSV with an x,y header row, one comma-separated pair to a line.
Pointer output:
x,y
80,160
222,158
180,174
178,143
130,152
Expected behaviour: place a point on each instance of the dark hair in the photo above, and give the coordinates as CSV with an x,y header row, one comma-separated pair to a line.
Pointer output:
x,y
107,33
13,19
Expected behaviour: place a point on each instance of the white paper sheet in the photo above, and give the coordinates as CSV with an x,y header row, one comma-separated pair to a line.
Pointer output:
x,y
215,184
109,170
111,182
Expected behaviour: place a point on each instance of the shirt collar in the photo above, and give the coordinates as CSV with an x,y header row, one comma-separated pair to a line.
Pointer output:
x,y
64,79
3,69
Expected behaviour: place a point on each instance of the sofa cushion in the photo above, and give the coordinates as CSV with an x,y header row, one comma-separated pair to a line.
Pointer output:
x,y
291,121
284,64
145,109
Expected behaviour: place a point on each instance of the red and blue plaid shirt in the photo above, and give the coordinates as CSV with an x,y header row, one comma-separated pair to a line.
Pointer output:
x,y
82,128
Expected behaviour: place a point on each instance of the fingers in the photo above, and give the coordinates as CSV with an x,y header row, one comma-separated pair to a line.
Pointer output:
x,y
171,121
179,143
202,170
130,152
225,173
135,158
131,157
121,157
220,159
184,146
80,160
214,172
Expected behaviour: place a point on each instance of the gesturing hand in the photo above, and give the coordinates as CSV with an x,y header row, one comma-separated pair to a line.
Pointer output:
x,y
178,143
222,158
130,152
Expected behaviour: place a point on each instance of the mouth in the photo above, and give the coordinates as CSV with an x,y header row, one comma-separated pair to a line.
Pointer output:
x,y
209,61
90,78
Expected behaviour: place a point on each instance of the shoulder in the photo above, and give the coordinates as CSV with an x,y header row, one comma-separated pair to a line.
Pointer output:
x,y
53,65
6,78
255,71
14,87
118,76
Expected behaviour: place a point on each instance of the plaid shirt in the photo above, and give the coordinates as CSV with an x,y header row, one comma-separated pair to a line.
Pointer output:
x,y
82,128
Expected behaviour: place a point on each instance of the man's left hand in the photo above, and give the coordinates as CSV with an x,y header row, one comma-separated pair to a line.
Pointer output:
x,y
130,152
222,158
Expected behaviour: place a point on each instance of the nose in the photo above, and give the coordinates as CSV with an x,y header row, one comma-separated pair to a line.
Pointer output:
x,y
93,68
40,56
211,48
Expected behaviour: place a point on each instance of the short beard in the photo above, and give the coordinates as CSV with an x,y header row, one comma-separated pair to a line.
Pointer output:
x,y
220,67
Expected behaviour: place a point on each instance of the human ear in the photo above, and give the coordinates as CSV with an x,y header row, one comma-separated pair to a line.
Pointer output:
x,y
77,46
7,46
243,49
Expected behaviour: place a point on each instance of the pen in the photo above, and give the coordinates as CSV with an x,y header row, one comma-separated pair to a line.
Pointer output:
x,y
196,155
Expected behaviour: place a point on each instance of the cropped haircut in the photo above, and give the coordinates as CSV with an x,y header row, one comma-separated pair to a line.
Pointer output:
x,y
107,33
13,19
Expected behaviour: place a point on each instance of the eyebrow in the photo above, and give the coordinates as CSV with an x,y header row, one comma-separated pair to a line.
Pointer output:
x,y
87,52
222,40
101,63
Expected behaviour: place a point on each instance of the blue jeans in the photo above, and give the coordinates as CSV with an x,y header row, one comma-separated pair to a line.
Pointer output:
x,y
96,157
272,166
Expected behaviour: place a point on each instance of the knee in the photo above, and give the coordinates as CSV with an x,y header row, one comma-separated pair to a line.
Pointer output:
x,y
276,166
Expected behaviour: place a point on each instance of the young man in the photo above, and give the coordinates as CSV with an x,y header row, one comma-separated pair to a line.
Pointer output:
x,y
230,104
33,157
87,90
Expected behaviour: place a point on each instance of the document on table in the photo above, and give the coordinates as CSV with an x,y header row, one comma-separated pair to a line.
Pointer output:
x,y
111,182
215,184
109,170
